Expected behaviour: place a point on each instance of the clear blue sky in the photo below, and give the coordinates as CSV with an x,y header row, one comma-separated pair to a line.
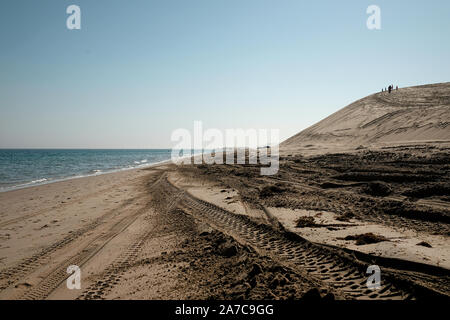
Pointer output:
x,y
139,69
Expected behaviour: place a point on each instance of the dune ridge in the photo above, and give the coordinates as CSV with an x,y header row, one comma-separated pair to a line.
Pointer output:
x,y
419,114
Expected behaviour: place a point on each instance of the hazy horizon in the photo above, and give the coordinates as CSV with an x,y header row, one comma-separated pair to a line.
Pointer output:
x,y
137,71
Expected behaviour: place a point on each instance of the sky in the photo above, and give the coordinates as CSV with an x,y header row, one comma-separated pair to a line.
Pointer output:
x,y
138,70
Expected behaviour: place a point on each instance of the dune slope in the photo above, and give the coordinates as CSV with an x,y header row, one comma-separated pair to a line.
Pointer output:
x,y
418,114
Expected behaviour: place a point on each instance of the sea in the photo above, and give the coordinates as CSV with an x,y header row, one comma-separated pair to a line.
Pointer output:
x,y
20,168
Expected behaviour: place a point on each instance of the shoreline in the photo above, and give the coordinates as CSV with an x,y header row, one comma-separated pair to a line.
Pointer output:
x,y
43,183
31,218
153,225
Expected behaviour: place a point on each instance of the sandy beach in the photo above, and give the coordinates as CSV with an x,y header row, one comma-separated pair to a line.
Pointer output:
x,y
126,237
143,234
227,232
224,159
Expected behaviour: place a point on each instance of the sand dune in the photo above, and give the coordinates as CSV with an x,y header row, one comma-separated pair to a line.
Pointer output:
x,y
418,114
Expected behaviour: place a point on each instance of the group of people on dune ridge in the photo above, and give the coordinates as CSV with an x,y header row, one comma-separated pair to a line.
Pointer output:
x,y
390,88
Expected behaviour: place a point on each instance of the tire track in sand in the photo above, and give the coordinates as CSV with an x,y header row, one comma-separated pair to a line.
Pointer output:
x,y
112,275
332,267
58,275
12,275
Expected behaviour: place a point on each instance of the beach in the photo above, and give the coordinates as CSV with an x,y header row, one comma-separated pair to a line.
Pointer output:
x,y
115,227
197,232
371,196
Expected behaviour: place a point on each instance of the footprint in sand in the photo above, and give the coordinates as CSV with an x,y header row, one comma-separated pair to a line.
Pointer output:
x,y
5,236
23,285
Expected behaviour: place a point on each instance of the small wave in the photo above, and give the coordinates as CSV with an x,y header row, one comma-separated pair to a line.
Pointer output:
x,y
31,182
37,181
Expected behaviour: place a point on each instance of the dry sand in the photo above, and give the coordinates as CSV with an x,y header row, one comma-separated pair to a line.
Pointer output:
x,y
130,241
412,115
226,232
191,233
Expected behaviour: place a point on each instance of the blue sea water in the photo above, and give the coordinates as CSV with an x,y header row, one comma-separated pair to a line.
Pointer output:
x,y
27,167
